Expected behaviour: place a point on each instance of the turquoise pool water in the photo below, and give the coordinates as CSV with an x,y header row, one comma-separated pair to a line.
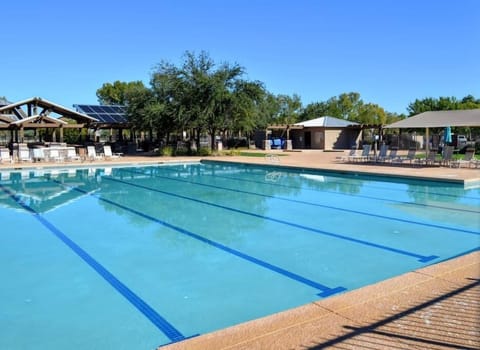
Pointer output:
x,y
138,257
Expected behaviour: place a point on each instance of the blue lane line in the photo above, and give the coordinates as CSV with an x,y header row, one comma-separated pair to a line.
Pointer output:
x,y
319,205
420,258
362,195
325,291
161,323
358,195
363,178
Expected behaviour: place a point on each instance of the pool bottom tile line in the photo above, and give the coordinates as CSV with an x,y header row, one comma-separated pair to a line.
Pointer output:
x,y
421,258
160,322
325,291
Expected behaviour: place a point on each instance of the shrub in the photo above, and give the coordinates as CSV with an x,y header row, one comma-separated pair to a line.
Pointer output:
x,y
166,151
204,151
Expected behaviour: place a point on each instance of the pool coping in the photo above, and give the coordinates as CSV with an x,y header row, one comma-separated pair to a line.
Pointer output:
x,y
359,316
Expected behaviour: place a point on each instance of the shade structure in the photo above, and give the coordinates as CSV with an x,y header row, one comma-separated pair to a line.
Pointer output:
x,y
439,119
447,135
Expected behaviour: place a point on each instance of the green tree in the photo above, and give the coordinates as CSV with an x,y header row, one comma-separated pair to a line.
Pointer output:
x,y
315,110
115,94
289,109
345,106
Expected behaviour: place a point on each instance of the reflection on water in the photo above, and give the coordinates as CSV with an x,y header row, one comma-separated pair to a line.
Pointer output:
x,y
46,189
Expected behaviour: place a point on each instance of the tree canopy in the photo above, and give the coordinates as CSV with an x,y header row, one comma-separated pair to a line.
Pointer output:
x,y
204,97
442,104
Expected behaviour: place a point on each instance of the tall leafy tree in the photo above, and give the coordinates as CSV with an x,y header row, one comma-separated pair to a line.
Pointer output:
x,y
442,104
289,109
315,110
116,93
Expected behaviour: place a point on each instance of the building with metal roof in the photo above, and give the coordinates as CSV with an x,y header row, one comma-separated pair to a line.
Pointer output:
x,y
326,133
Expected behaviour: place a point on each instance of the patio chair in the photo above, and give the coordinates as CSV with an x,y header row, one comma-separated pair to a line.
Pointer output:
x,y
468,159
430,159
92,153
107,151
72,154
38,154
362,157
410,157
351,153
54,155
392,155
24,155
447,156
380,157
5,156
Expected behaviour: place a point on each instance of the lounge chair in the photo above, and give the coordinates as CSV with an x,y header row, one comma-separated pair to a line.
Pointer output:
x,y
38,154
468,159
92,153
24,155
362,157
392,155
54,155
382,155
107,151
72,154
5,156
430,159
410,157
447,156
351,153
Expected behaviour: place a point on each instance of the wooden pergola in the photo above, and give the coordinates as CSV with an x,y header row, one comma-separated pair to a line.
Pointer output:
x,y
37,113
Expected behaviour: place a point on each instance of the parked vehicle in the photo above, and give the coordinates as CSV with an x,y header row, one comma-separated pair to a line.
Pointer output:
x,y
460,142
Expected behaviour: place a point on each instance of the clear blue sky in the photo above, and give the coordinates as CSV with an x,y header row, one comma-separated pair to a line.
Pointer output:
x,y
390,51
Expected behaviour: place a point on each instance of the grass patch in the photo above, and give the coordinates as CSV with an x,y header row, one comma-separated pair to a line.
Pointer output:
x,y
248,154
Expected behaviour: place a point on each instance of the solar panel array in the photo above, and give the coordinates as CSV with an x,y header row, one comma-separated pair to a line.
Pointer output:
x,y
105,114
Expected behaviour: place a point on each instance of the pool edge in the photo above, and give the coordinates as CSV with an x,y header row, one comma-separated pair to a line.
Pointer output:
x,y
338,318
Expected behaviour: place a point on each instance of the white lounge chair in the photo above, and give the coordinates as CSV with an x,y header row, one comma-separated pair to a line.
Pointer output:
x,y
54,155
24,155
5,156
38,154
92,153
72,154
107,151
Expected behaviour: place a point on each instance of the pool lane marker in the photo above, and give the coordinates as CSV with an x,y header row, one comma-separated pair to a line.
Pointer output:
x,y
368,185
161,323
352,211
421,258
324,290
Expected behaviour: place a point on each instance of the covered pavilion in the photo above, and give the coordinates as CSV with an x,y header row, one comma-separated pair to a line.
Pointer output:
x,y
439,119
37,113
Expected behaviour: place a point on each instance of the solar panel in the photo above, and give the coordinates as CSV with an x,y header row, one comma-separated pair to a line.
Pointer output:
x,y
111,114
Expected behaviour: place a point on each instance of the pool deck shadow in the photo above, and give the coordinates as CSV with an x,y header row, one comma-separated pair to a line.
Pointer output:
x,y
437,307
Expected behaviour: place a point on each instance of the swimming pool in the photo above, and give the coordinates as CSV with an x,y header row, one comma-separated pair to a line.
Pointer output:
x,y
137,257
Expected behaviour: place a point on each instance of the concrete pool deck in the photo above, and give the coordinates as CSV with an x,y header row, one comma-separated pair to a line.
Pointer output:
x,y
436,307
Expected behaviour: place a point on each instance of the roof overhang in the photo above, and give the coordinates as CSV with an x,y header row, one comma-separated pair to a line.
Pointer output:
x,y
284,127
439,119
39,121
48,107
